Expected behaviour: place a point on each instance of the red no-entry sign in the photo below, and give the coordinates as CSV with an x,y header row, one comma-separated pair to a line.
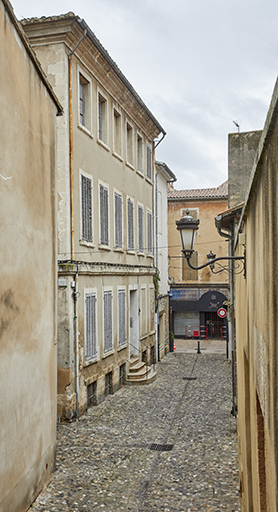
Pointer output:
x,y
222,312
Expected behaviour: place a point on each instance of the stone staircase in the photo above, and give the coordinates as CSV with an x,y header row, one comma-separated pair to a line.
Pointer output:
x,y
139,372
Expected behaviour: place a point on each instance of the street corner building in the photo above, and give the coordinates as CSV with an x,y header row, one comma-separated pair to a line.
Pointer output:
x,y
197,295
28,294
106,170
253,192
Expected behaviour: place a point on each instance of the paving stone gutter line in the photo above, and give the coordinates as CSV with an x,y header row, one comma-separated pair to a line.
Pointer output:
x,y
170,446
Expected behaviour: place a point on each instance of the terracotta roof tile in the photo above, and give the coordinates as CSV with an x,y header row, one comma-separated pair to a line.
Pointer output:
x,y
200,193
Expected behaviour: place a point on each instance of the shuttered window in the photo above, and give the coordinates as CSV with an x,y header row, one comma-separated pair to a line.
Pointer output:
x,y
189,274
86,206
107,321
130,225
122,317
140,228
149,163
149,233
81,103
118,220
103,202
91,339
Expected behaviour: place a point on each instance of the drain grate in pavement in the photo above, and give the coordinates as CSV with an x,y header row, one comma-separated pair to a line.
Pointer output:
x,y
189,378
161,447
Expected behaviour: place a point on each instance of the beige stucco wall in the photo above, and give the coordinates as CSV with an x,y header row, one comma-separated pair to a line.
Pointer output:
x,y
207,238
28,276
256,328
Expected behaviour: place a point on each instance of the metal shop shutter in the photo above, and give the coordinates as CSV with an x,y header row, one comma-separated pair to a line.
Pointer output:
x,y
184,319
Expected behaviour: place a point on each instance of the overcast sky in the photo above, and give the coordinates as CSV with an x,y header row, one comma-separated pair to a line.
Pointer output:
x,y
199,65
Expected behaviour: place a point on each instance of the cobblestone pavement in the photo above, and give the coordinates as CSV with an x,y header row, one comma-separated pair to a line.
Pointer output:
x,y
104,461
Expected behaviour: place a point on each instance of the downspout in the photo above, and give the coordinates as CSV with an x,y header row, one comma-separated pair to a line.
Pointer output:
x,y
74,283
218,224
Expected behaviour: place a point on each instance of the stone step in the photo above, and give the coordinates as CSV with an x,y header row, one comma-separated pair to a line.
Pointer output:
x,y
148,378
140,373
137,367
133,360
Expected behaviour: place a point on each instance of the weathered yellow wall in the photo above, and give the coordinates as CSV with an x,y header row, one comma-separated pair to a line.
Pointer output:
x,y
28,276
207,238
256,328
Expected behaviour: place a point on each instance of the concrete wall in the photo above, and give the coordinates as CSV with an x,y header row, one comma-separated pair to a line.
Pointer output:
x,y
242,148
28,275
256,327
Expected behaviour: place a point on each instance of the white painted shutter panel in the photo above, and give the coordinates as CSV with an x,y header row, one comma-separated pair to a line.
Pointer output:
x,y
103,192
118,220
130,221
107,311
122,317
86,200
140,228
91,345
150,235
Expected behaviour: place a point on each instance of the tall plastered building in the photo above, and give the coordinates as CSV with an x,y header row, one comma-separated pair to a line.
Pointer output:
x,y
106,299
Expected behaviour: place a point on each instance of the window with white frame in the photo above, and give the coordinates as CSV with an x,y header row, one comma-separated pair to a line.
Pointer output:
x,y
129,143
140,228
121,317
102,118
103,213
86,209
117,132
149,163
118,206
130,225
139,153
84,102
149,232
107,321
90,326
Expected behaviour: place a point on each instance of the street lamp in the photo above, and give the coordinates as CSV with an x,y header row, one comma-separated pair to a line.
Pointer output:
x,y
188,227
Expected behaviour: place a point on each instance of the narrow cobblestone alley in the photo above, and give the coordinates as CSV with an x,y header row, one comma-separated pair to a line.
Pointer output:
x,y
105,461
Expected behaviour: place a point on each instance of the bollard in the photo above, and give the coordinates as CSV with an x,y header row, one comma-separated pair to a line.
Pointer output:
x,y
198,347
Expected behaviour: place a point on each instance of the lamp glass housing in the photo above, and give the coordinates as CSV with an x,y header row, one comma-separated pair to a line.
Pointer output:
x,y
187,226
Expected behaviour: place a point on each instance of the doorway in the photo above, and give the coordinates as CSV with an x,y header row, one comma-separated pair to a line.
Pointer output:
x,y
213,324
133,323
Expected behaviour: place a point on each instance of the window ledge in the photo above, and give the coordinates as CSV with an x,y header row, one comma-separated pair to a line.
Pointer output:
x,y
121,347
140,173
149,180
103,144
141,254
151,256
119,249
119,157
107,354
130,251
91,361
128,164
85,130
86,244
104,247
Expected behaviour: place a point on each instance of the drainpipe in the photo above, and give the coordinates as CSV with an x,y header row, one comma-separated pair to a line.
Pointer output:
x,y
75,347
74,282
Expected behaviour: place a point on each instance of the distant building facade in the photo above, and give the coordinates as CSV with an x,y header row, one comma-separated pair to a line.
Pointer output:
x,y
197,295
28,296
164,177
106,310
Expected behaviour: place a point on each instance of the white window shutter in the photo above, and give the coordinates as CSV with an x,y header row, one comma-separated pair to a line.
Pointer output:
x,y
86,206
